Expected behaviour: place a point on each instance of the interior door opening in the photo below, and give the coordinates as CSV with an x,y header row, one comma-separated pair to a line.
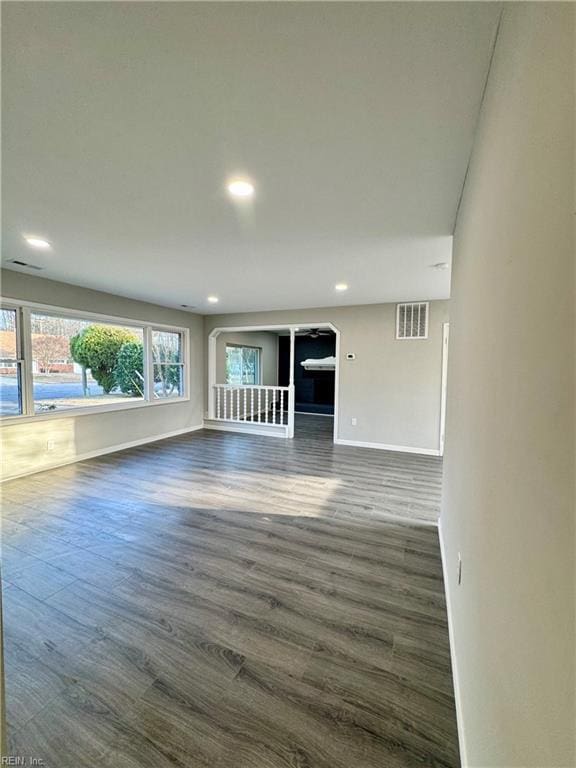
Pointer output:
x,y
277,380
314,378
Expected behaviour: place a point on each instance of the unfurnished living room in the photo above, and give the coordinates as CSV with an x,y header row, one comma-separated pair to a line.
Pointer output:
x,y
287,385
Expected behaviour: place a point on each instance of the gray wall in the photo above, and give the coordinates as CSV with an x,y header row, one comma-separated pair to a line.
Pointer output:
x,y
392,388
268,344
24,444
508,494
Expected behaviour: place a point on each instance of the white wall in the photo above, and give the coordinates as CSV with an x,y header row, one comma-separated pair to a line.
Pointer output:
x,y
24,444
267,343
508,503
392,388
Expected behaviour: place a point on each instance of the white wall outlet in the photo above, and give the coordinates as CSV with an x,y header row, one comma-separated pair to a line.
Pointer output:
x,y
50,445
354,421
459,569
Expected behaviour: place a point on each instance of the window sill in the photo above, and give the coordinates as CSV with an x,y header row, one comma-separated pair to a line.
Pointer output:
x,y
8,421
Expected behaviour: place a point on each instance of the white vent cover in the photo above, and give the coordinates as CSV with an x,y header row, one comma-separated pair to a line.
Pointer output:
x,y
412,320
23,264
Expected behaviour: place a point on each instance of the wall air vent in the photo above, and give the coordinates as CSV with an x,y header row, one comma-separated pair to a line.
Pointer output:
x,y
19,263
412,320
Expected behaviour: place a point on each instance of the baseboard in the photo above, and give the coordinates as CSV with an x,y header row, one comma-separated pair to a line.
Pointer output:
x,y
245,429
385,447
457,689
104,451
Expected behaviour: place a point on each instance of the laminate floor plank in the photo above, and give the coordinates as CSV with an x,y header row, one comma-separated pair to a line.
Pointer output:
x,y
219,600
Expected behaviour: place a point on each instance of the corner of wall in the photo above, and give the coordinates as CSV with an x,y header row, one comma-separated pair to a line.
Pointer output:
x,y
453,659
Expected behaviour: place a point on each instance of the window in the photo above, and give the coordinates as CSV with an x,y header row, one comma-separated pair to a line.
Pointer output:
x,y
168,364
412,320
242,365
52,362
10,366
78,363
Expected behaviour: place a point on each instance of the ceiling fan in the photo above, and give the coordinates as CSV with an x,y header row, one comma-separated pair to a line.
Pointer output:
x,y
314,333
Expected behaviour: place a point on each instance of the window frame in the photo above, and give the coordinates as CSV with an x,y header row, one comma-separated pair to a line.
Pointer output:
x,y
150,363
19,359
259,367
24,310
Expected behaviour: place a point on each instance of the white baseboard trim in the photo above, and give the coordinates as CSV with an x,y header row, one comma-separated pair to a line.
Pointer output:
x,y
246,429
104,451
457,689
385,447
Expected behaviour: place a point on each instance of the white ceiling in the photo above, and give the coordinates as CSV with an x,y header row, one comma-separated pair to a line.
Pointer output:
x,y
122,122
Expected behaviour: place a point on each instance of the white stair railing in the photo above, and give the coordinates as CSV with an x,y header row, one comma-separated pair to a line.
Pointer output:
x,y
252,403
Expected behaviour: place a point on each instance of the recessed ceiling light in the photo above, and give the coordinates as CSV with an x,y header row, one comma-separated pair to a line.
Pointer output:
x,y
240,188
341,287
37,242
213,299
440,265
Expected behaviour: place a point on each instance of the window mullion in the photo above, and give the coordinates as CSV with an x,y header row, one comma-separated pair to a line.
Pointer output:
x,y
184,359
148,365
24,328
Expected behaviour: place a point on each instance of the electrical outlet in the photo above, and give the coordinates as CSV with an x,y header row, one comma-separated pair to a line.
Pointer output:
x,y
50,445
354,421
459,569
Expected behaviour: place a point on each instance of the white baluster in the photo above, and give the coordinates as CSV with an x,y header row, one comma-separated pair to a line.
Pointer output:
x,y
259,404
251,404
273,406
224,396
266,405
218,414
281,406
237,405
245,394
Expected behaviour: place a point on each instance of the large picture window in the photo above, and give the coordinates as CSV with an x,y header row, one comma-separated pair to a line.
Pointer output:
x,y
242,365
78,363
52,362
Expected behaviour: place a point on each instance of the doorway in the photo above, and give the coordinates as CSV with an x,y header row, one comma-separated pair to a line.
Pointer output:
x,y
314,378
264,405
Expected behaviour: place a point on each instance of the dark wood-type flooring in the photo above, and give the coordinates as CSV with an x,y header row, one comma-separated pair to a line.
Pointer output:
x,y
229,601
